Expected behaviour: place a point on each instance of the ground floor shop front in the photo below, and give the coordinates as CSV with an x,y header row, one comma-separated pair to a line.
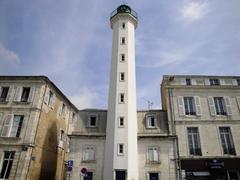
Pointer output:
x,y
210,169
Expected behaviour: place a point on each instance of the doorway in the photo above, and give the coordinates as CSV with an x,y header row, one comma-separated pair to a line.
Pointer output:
x,y
120,175
89,176
153,176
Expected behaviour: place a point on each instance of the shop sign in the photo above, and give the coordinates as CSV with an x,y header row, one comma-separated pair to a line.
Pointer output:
x,y
215,164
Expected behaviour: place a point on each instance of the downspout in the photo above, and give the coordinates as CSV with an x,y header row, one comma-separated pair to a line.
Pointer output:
x,y
35,136
66,144
172,117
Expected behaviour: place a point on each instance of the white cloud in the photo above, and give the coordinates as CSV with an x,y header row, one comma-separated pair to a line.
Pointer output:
x,y
8,55
193,11
84,98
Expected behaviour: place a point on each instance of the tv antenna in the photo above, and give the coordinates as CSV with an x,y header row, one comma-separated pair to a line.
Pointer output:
x,y
150,104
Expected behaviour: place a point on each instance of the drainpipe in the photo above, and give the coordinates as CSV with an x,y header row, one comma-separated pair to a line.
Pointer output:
x,y
172,117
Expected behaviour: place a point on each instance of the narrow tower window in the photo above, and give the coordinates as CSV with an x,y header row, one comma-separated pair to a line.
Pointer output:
x,y
122,76
123,25
121,97
121,121
123,40
122,57
120,149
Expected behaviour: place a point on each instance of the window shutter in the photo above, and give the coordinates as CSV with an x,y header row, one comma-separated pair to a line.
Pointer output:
x,y
207,82
52,101
46,96
193,81
9,95
147,122
222,82
234,82
1,123
228,105
7,125
18,93
238,102
155,154
91,156
150,154
88,121
60,109
1,158
181,108
198,105
212,106
31,94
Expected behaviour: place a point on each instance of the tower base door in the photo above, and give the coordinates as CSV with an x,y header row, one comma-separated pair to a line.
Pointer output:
x,y
120,175
153,176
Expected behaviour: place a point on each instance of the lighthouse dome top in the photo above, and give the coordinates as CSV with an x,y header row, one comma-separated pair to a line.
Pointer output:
x,y
124,9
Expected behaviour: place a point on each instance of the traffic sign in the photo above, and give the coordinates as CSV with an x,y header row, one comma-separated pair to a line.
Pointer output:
x,y
70,163
69,168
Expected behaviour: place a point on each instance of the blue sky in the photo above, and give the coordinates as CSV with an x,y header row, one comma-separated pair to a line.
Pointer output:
x,y
70,42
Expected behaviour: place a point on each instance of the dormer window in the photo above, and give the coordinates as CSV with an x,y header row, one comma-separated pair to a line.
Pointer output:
x,y
3,93
188,82
92,120
214,82
238,82
151,121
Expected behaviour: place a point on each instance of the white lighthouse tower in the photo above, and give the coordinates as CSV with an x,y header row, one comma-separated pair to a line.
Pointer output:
x,y
121,160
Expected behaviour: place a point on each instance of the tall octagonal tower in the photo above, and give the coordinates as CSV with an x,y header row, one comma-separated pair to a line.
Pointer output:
x,y
121,153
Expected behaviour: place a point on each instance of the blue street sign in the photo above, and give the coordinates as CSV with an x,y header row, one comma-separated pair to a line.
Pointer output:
x,y
70,163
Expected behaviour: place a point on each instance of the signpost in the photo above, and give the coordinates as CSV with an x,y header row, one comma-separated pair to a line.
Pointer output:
x,y
83,172
69,167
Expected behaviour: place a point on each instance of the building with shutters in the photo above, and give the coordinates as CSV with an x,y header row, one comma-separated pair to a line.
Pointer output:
x,y
34,120
156,155
204,113
194,136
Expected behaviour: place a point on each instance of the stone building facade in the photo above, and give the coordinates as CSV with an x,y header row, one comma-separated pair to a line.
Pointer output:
x,y
156,155
204,113
34,118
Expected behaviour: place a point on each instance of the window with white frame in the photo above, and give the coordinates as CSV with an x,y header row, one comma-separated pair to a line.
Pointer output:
x,y
214,82
188,82
3,93
92,120
73,117
122,57
219,106
50,99
62,110
12,126
153,154
24,94
8,157
89,153
122,76
194,141
238,82
227,140
121,121
151,120
120,149
121,98
189,105
123,41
